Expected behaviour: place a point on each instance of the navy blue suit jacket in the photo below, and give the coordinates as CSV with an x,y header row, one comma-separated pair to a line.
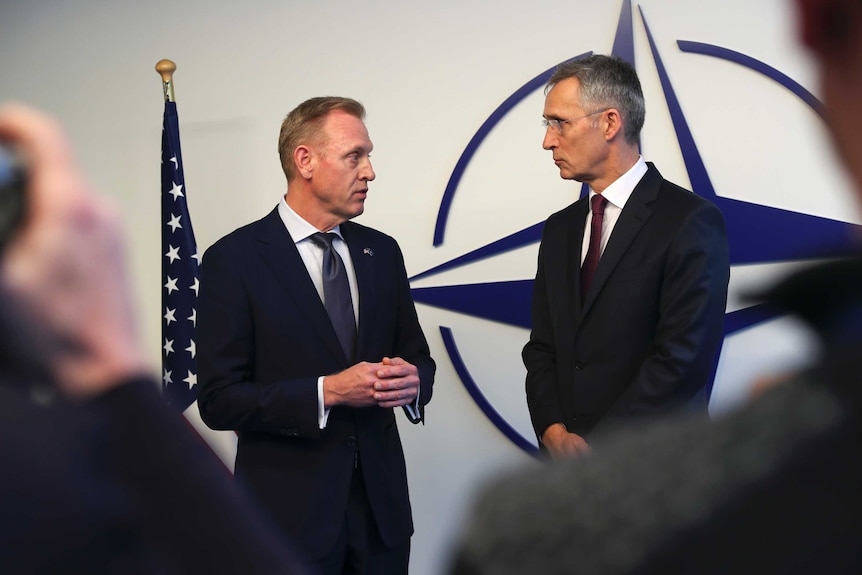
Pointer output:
x,y
645,336
264,338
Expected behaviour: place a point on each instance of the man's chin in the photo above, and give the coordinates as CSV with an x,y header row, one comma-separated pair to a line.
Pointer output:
x,y
566,173
569,175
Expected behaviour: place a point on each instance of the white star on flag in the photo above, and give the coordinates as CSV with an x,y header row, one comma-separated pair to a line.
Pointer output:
x,y
176,191
171,285
175,223
173,253
191,379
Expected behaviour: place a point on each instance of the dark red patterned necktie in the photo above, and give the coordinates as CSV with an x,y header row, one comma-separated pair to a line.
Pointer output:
x,y
594,252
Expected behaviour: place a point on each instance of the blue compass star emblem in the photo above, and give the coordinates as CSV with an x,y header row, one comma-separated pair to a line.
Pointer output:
x,y
757,233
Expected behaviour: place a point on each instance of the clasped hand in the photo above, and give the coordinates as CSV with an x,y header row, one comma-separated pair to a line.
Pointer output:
x,y
392,382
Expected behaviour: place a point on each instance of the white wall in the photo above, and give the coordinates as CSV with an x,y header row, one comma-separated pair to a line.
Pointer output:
x,y
430,73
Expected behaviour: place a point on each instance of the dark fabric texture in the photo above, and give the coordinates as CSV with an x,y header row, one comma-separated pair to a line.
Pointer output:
x,y
121,485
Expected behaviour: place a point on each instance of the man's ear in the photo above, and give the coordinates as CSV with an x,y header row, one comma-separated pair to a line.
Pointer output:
x,y
612,123
302,157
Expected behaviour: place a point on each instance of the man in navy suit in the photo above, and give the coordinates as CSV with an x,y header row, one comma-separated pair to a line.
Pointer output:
x,y
631,286
312,403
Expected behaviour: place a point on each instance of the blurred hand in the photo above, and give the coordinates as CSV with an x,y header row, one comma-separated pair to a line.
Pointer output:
x,y
66,265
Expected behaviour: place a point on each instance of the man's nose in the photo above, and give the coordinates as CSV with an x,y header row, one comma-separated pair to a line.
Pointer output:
x,y
550,140
367,174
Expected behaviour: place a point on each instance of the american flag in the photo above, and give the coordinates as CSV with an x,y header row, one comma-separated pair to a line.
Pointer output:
x,y
180,273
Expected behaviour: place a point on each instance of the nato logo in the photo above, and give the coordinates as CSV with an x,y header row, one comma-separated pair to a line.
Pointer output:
x,y
758,234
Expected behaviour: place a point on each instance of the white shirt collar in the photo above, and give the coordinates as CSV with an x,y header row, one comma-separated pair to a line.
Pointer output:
x,y
297,227
619,192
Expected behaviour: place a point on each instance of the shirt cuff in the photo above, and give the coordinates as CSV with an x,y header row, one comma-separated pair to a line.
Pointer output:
x,y
413,410
322,412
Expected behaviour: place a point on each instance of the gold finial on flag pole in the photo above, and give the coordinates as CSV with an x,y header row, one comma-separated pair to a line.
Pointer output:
x,y
167,68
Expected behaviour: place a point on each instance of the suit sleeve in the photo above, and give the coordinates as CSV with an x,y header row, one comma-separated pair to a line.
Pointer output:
x,y
229,397
692,304
411,342
540,357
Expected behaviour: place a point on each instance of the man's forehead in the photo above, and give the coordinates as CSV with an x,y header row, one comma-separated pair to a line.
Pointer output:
x,y
344,129
563,92
341,120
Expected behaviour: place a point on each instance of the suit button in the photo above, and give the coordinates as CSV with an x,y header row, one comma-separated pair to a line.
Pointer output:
x,y
579,364
289,432
350,441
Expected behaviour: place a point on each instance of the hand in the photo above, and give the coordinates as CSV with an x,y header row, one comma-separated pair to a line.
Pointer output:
x,y
398,385
353,387
65,267
390,383
561,443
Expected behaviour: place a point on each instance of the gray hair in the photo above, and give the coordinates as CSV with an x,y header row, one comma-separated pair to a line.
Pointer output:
x,y
606,82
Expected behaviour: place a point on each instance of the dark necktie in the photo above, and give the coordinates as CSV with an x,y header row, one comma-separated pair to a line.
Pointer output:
x,y
336,294
594,252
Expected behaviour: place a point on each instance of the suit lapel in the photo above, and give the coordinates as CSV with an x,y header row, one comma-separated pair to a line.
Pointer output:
x,y
574,246
633,217
280,253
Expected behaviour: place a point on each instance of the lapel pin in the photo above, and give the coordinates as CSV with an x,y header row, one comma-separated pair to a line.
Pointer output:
x,y
368,251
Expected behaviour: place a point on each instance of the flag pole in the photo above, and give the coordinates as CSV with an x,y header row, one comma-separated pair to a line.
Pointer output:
x,y
166,69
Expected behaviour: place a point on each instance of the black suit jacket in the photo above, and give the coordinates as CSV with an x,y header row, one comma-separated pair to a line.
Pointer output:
x,y
645,336
264,338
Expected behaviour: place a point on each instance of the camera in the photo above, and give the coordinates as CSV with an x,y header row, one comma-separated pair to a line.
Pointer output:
x,y
13,189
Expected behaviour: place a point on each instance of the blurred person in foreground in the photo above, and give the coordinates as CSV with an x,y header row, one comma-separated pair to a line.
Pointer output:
x,y
771,488
97,475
